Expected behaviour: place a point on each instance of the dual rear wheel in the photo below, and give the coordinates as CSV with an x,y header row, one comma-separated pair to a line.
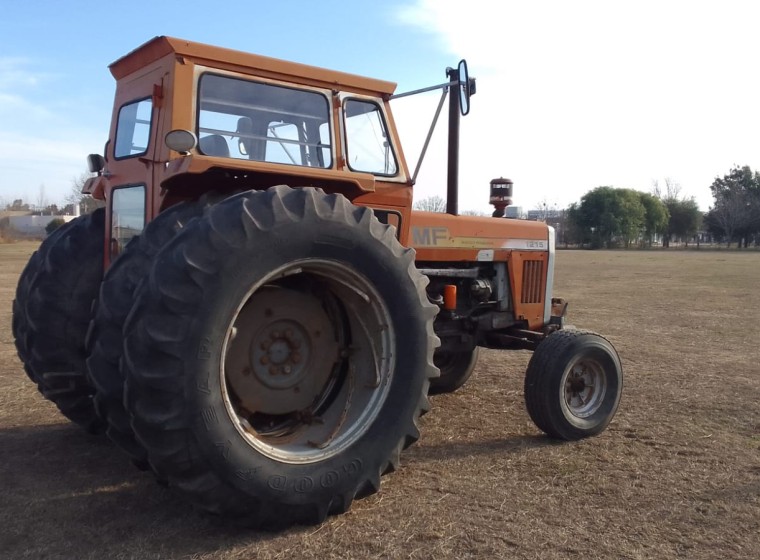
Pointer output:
x,y
277,356
51,315
114,301
268,357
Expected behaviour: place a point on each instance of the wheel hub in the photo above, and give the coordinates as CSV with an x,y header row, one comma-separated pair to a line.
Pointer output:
x,y
584,388
281,355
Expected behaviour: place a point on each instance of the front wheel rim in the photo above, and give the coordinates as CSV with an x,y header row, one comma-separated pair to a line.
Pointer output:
x,y
307,361
583,387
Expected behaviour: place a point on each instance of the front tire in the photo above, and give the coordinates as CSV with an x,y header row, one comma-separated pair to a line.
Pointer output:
x,y
573,384
51,314
279,356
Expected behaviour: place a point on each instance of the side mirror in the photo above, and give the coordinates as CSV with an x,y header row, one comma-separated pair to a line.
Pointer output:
x,y
96,163
181,141
465,87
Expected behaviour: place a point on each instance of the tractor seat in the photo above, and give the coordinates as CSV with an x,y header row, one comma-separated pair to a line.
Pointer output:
x,y
214,145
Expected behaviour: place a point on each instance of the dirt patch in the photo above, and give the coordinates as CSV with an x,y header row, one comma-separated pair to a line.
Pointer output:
x,y
677,474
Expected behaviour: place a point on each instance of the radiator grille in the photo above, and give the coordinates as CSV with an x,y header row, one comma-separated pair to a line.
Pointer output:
x,y
533,272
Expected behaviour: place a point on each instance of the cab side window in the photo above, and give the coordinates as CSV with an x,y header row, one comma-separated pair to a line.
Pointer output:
x,y
367,145
133,129
127,216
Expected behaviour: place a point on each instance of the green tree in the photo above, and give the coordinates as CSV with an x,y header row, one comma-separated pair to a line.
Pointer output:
x,y
631,215
736,213
54,224
684,219
574,232
18,205
656,217
606,216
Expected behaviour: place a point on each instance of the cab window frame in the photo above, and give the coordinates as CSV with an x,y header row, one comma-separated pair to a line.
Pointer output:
x,y
120,126
117,243
310,153
383,122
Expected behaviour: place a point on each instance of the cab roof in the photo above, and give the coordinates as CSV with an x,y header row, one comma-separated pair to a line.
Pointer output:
x,y
208,55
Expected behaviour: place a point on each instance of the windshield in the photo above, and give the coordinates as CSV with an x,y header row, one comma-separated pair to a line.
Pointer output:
x,y
263,122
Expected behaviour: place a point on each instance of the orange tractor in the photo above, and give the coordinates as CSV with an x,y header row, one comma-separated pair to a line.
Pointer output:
x,y
258,315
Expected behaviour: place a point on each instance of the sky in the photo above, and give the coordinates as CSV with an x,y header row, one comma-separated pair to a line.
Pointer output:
x,y
570,95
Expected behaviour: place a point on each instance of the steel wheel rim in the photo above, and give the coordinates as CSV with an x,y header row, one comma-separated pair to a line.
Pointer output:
x,y
583,387
272,360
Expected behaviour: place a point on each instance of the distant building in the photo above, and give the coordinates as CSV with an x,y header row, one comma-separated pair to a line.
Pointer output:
x,y
545,215
515,212
554,218
33,226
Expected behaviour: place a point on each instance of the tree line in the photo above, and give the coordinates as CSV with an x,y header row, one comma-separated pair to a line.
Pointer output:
x,y
42,207
607,216
610,217
618,217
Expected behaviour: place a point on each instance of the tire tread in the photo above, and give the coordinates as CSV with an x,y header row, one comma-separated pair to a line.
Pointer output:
x,y
188,263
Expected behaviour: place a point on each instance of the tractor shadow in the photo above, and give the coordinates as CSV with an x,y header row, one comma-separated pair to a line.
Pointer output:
x,y
67,491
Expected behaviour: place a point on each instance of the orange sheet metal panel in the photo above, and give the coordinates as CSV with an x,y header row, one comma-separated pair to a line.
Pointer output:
x,y
444,237
219,57
527,285
523,244
190,164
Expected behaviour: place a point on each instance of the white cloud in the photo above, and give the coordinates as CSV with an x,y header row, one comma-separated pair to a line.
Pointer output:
x,y
14,73
41,142
18,87
573,95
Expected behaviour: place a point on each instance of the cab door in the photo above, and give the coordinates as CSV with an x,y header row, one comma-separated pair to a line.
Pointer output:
x,y
131,159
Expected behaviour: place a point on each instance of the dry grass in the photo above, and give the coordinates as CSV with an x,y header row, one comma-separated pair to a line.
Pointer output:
x,y
677,475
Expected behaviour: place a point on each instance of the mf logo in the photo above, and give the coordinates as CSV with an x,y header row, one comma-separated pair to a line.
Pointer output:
x,y
427,236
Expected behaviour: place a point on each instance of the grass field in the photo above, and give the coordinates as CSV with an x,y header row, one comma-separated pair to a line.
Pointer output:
x,y
676,475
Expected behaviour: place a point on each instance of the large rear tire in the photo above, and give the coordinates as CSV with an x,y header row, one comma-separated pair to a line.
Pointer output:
x,y
20,325
105,340
573,384
456,368
51,314
279,355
